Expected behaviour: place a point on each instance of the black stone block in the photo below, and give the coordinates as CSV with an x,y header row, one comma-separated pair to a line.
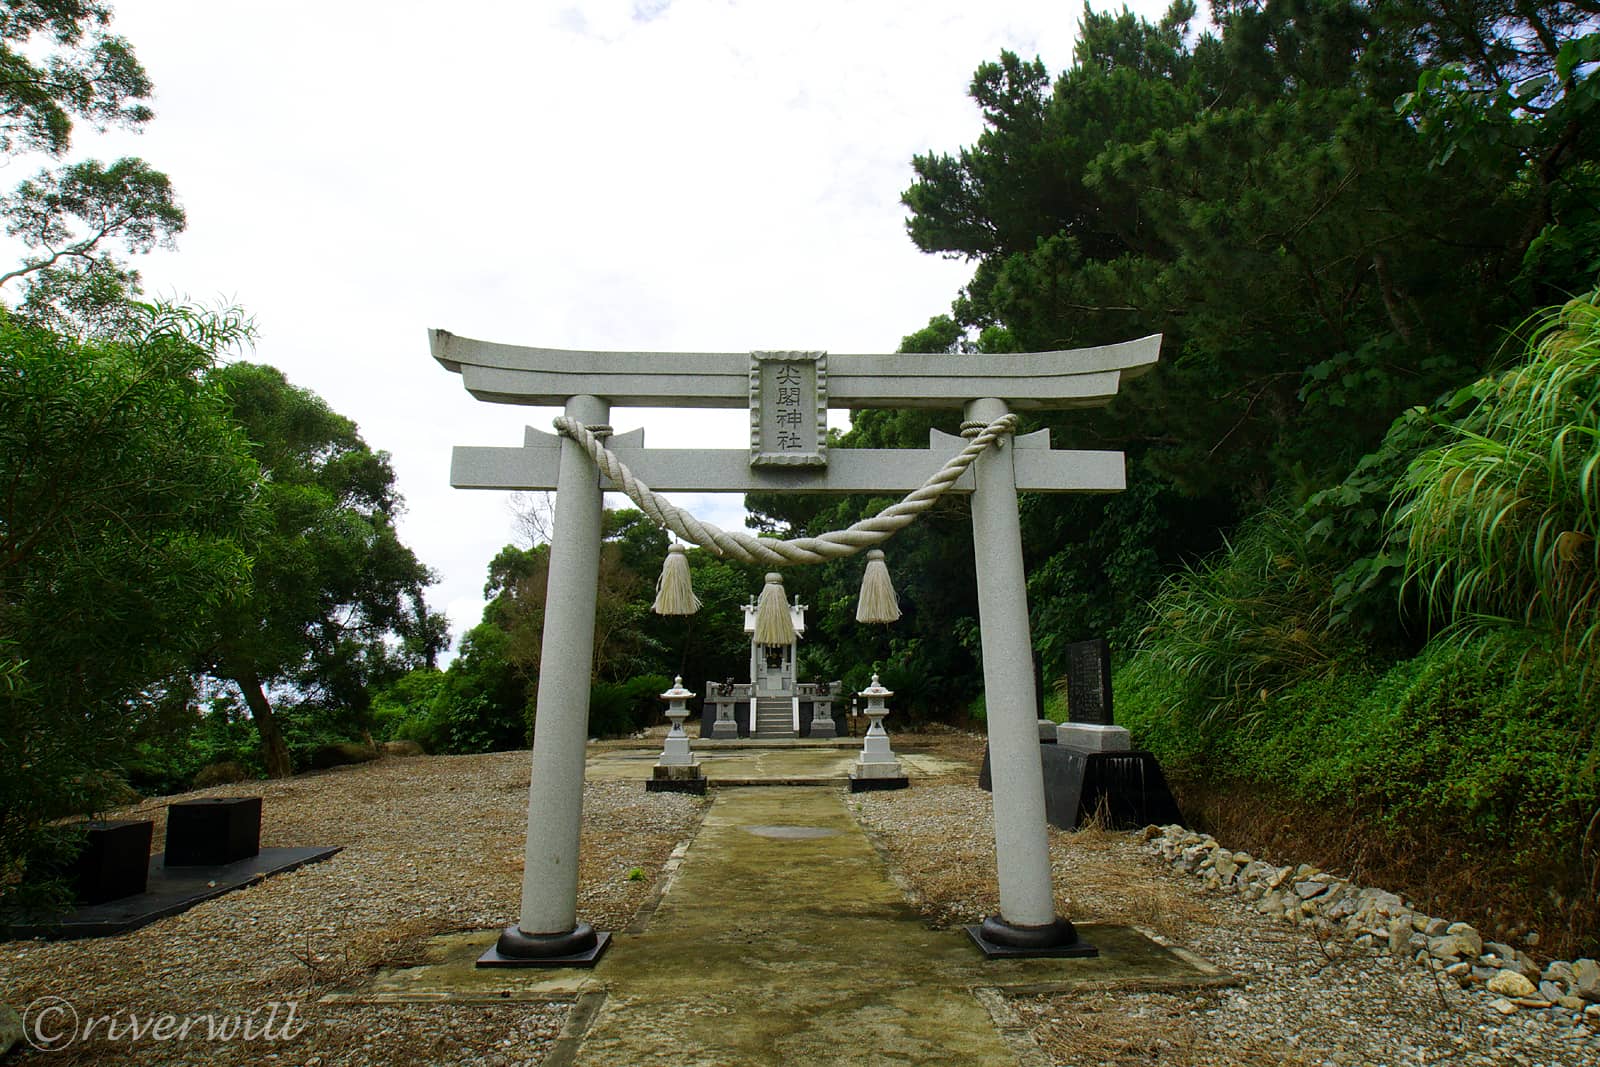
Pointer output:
x,y
868,785
167,891
114,862
1126,788
213,831
675,785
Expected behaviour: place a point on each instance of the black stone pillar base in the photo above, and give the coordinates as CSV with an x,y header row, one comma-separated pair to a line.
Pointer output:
x,y
676,785
867,785
579,947
999,939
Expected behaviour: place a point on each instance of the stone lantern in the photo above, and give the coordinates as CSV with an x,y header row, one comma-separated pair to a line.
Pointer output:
x,y
877,767
677,771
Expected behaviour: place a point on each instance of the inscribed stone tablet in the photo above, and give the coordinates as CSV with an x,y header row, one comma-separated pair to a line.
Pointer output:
x,y
788,409
1089,682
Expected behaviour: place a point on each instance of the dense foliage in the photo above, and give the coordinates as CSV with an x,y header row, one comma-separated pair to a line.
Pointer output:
x,y
485,701
1254,667
169,520
63,64
1326,207
331,582
130,495
1355,566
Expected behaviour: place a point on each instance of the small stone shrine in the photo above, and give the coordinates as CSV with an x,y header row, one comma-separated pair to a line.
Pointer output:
x,y
772,705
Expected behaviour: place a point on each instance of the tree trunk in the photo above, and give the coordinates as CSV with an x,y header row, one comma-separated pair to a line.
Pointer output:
x,y
273,750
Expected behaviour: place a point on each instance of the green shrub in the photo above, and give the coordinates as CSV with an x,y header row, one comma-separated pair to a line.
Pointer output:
x,y
617,709
1250,621
1464,741
167,760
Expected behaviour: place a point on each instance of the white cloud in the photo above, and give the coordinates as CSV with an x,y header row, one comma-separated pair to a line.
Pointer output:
x,y
695,175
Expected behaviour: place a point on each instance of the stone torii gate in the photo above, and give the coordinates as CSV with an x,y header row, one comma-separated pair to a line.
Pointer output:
x,y
788,395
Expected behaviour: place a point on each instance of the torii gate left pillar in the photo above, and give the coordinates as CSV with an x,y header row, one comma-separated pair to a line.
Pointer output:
x,y
788,454
548,926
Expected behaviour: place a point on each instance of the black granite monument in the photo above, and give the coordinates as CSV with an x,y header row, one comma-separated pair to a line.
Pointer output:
x,y
1120,786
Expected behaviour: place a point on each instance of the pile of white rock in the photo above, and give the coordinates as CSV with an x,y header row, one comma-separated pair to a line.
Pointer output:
x,y
1383,922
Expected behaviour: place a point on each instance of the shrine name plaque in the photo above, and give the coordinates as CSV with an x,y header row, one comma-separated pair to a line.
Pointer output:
x,y
788,409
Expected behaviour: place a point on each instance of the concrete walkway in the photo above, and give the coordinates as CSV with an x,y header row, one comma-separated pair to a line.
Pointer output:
x,y
783,941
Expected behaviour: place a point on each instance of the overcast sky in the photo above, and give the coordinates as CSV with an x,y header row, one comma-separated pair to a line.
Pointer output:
x,y
701,175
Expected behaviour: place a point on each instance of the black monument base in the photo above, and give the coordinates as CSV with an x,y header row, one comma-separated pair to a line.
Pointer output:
x,y
582,946
169,890
114,862
212,831
676,785
999,940
1126,789
868,785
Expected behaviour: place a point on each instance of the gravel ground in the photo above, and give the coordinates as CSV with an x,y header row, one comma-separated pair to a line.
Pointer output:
x,y
432,845
1301,999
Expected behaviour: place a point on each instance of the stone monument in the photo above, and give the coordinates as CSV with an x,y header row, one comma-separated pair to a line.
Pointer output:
x,y
788,395
1089,726
1093,773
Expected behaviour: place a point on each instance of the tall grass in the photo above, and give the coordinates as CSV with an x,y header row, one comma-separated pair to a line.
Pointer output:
x,y
1500,522
1251,620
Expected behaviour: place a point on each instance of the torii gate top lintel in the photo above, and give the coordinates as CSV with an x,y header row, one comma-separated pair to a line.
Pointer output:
x,y
1026,381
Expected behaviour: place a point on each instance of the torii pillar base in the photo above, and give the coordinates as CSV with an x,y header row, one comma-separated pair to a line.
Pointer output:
x,y
999,940
581,947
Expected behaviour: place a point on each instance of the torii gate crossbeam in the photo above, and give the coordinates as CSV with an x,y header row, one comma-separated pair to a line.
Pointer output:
x,y
587,384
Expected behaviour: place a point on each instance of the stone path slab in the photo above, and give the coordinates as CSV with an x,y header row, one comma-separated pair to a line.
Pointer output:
x,y
782,940
787,948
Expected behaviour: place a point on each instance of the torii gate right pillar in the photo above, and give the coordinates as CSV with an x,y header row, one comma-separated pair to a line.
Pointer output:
x,y
1027,923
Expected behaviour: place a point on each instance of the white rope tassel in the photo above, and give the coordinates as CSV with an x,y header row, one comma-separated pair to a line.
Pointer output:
x,y
773,623
773,553
878,602
674,589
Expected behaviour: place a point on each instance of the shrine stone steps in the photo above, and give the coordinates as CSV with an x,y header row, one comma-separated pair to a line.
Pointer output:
x,y
774,717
